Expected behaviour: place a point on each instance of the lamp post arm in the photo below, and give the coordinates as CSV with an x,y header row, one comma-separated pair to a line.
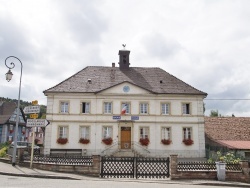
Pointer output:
x,y
12,65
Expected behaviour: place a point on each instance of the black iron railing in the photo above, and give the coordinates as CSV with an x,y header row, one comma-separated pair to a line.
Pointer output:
x,y
61,160
206,166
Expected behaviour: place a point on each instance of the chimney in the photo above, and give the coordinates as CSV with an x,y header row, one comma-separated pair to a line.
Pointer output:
x,y
113,64
124,59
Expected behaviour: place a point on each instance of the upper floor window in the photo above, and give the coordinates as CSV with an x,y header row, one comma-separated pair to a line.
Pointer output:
x,y
107,108
186,108
10,138
107,132
85,107
64,107
165,133
165,108
125,108
187,133
63,132
84,132
144,132
143,108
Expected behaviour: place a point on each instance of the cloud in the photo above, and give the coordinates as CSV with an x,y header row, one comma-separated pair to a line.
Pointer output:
x,y
204,43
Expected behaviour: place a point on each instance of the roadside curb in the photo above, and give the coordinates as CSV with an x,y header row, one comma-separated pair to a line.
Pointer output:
x,y
38,176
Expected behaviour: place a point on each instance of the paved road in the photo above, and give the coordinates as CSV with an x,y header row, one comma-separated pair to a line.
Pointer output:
x,y
26,182
19,176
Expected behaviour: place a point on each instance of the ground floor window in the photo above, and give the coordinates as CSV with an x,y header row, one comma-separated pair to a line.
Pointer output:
x,y
165,133
107,132
144,132
84,132
63,132
187,133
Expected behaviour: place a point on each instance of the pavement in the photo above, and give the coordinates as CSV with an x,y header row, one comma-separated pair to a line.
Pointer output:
x,y
6,168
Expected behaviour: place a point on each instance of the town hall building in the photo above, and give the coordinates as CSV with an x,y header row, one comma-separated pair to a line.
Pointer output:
x,y
123,110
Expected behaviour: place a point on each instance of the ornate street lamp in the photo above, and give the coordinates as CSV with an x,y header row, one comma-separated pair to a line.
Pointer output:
x,y
9,75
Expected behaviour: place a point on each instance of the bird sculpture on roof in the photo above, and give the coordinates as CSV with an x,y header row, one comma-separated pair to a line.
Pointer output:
x,y
124,45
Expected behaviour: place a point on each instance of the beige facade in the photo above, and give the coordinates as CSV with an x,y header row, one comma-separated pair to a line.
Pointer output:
x,y
130,126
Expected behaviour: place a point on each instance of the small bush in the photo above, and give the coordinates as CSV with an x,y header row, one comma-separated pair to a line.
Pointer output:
x,y
229,157
3,152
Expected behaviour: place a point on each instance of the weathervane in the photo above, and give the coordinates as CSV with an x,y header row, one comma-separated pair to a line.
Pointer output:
x,y
124,45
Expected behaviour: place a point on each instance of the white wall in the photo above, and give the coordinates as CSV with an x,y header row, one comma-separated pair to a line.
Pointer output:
x,y
154,120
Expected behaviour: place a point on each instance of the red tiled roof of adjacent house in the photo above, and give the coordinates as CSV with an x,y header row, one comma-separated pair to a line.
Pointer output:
x,y
155,80
227,128
235,144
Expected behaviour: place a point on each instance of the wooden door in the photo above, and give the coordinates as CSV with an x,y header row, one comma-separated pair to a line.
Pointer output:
x,y
125,137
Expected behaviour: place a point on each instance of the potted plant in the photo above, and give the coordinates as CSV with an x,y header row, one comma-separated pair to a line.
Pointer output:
x,y
83,141
166,141
36,141
188,141
107,141
23,130
144,141
62,140
11,131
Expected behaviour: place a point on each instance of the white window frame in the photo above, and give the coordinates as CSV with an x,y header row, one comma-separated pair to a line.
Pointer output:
x,y
166,133
165,108
187,133
64,107
107,132
144,132
144,108
10,138
85,107
85,132
63,131
186,108
107,107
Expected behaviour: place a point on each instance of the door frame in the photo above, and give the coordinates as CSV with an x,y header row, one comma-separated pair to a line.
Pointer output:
x,y
125,124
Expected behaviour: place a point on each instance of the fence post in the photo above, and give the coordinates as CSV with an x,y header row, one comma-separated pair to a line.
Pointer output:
x,y
245,169
96,163
173,166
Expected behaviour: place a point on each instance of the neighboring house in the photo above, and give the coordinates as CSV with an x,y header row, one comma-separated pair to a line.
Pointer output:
x,y
228,133
39,135
8,112
125,105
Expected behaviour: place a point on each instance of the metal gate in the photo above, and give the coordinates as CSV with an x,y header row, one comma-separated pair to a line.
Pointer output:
x,y
134,167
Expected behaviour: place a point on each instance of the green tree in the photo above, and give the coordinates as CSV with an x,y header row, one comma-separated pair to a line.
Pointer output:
x,y
214,113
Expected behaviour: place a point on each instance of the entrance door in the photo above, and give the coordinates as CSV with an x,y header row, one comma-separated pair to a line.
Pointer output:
x,y
125,137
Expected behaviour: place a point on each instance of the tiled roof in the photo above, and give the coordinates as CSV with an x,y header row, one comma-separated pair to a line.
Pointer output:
x,y
227,128
154,80
6,110
235,144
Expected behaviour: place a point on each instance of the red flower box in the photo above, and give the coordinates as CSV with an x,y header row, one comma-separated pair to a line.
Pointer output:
x,y
62,140
188,141
107,141
83,141
166,142
144,141
11,131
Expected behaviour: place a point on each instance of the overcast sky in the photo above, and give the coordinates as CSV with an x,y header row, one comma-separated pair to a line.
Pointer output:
x,y
205,43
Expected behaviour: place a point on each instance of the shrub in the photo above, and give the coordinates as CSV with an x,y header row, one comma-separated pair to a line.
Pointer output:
x,y
229,157
3,152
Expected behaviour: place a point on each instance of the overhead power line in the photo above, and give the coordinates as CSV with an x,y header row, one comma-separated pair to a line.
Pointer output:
x,y
228,99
